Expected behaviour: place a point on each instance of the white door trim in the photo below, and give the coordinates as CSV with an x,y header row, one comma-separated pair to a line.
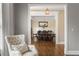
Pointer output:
x,y
29,25
56,18
65,28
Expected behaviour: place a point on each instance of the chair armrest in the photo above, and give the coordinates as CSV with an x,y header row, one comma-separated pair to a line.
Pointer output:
x,y
33,49
15,53
31,46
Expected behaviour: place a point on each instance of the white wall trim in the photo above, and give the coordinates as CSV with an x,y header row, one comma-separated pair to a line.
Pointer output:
x,y
65,28
72,53
40,7
62,42
35,13
56,17
29,25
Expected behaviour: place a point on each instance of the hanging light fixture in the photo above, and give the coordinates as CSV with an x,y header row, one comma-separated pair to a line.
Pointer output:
x,y
47,11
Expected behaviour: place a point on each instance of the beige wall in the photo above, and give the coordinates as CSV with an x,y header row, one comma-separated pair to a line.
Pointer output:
x,y
61,26
35,23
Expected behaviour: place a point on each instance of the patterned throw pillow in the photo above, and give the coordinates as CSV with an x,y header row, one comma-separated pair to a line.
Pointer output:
x,y
23,48
13,40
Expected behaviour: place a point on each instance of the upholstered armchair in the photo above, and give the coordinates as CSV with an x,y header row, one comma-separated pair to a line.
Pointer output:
x,y
17,46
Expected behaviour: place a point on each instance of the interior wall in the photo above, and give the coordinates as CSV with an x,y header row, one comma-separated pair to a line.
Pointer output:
x,y
61,26
73,28
35,23
21,19
0,28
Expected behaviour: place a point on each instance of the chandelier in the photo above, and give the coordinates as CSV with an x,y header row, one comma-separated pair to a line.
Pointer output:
x,y
47,11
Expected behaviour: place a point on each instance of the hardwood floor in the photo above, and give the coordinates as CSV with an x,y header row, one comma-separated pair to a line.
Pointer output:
x,y
48,48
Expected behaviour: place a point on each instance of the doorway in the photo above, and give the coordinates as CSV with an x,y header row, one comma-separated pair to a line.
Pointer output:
x,y
59,13
43,28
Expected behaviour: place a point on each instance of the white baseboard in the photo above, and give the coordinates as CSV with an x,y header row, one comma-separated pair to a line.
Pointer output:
x,y
72,53
60,42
